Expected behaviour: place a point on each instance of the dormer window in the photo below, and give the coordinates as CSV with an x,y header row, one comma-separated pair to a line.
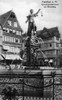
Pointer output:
x,y
9,22
12,16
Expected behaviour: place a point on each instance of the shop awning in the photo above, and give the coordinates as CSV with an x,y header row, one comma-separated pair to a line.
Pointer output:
x,y
12,57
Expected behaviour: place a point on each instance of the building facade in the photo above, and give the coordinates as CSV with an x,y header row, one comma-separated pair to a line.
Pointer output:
x,y
60,55
1,33
11,35
51,44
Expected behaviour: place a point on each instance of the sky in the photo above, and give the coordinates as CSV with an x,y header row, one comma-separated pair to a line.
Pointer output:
x,y
52,17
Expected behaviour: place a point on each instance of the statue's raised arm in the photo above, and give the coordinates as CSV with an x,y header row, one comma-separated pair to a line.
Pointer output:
x,y
32,15
36,14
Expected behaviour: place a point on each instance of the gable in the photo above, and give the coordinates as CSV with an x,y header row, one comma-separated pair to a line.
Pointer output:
x,y
9,20
3,18
48,33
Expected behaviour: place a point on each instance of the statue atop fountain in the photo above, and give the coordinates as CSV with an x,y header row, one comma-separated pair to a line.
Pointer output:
x,y
31,22
31,30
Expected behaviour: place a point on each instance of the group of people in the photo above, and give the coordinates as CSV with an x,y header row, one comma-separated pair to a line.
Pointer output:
x,y
9,93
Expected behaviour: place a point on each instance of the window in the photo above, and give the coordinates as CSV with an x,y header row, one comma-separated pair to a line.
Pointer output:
x,y
16,40
0,27
61,44
17,50
3,38
14,31
10,31
11,49
9,22
12,16
7,30
15,24
57,44
4,29
14,49
57,52
60,50
20,41
12,39
50,45
17,32
20,33
7,38
49,53
1,32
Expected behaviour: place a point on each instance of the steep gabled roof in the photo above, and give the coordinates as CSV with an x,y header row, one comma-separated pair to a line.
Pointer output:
x,y
47,33
4,17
